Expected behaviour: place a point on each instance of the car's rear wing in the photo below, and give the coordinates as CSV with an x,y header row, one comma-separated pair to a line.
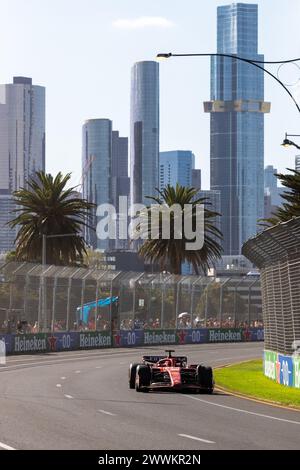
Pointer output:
x,y
155,359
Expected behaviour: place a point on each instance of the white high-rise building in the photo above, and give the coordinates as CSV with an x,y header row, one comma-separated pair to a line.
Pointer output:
x,y
22,144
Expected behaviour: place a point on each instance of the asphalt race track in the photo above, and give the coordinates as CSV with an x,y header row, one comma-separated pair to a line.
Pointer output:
x,y
80,400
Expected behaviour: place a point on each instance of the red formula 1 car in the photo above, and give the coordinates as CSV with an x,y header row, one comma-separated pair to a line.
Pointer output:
x,y
171,373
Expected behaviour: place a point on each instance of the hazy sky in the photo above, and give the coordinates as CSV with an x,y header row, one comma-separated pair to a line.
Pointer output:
x,y
82,51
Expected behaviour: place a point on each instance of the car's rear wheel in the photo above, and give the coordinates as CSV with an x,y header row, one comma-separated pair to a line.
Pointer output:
x,y
132,374
204,377
143,378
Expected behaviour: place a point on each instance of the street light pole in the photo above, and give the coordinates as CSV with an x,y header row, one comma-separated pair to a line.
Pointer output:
x,y
255,63
288,143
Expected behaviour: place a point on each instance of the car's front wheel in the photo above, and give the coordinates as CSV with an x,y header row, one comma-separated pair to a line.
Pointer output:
x,y
143,378
132,375
204,377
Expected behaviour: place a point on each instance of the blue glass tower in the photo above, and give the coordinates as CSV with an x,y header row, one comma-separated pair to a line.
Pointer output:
x,y
96,172
176,167
237,110
144,132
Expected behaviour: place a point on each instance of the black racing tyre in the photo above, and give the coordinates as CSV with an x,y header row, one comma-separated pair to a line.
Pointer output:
x,y
204,377
143,377
132,374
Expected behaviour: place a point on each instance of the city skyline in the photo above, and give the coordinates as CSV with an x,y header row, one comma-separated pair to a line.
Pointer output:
x,y
162,29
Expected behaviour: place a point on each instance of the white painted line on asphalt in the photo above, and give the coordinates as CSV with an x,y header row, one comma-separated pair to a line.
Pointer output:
x,y
245,411
196,438
69,396
58,385
99,367
122,363
106,413
63,378
233,357
54,361
77,371
6,447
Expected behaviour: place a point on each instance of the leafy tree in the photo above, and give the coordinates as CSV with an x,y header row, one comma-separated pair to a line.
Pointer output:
x,y
46,207
291,206
171,253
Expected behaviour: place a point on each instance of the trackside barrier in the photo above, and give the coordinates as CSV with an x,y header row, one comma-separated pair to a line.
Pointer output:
x,y
283,369
67,341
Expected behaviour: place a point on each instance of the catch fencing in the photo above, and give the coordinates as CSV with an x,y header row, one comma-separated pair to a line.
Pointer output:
x,y
276,251
47,299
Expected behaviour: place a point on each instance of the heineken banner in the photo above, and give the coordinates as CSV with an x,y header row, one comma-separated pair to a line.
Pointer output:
x,y
128,338
228,335
256,334
191,336
72,340
283,369
63,341
160,337
7,341
95,340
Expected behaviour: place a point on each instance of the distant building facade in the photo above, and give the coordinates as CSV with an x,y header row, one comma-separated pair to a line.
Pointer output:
x,y
175,167
237,111
105,175
196,179
22,145
97,168
144,131
272,191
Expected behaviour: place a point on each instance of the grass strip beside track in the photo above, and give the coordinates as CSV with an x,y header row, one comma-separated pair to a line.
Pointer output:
x,y
247,379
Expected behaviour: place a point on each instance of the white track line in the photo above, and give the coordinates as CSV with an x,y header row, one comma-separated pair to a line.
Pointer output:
x,y
58,361
5,447
69,396
63,378
196,438
58,385
245,411
106,413
78,372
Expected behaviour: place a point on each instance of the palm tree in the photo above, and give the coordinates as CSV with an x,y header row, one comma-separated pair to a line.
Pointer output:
x,y
46,207
291,207
171,253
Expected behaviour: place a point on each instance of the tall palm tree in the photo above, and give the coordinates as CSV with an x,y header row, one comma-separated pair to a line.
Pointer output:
x,y
46,207
171,253
291,206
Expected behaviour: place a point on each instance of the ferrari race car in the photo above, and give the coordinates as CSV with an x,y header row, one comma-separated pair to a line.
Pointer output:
x,y
171,373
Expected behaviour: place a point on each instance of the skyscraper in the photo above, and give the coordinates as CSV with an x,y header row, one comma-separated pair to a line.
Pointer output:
x,y
176,167
144,131
237,110
22,144
96,170
119,155
196,178
297,162
120,182
272,197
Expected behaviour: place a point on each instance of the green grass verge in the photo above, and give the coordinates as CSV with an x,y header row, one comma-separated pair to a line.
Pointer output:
x,y
248,378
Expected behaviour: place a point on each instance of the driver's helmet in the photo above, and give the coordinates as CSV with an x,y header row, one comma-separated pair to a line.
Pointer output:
x,y
165,363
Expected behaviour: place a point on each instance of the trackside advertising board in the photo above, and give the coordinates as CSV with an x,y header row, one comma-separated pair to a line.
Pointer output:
x,y
74,340
283,369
